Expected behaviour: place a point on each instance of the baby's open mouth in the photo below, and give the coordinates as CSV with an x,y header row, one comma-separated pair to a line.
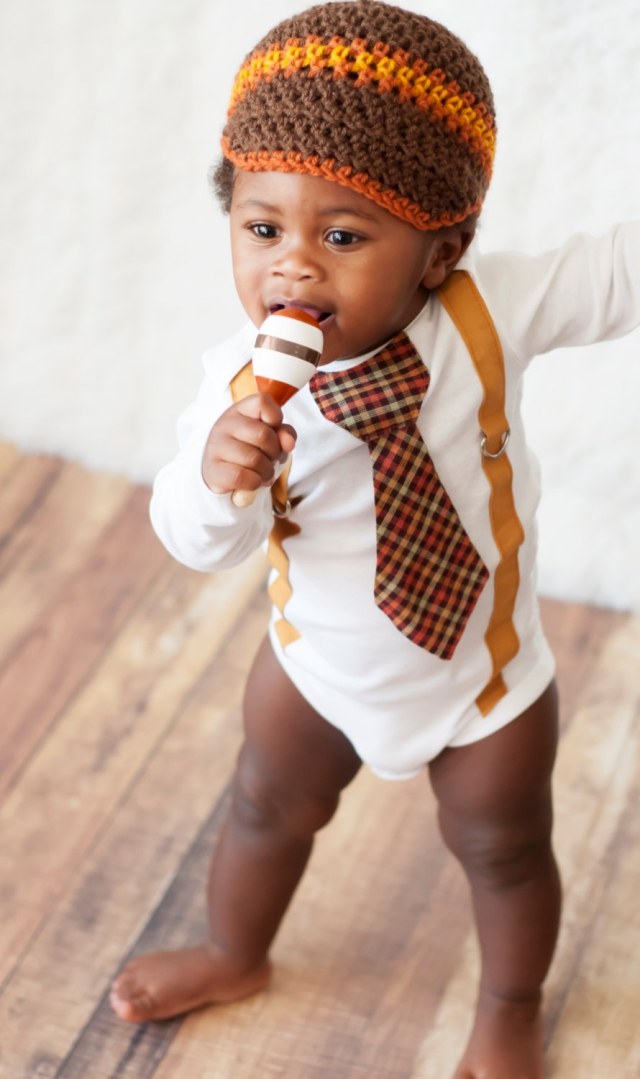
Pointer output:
x,y
315,312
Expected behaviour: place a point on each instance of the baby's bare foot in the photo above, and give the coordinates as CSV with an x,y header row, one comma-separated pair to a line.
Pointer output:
x,y
163,984
506,1041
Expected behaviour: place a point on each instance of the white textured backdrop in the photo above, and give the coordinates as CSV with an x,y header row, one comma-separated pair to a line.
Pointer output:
x,y
114,270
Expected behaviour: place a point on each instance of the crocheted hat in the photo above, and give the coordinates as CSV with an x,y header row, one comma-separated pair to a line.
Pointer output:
x,y
382,100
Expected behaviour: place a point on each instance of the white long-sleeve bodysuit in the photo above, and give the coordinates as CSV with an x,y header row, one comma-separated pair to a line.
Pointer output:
x,y
398,704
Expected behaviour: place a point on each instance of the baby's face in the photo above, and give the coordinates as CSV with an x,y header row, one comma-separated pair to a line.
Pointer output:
x,y
308,242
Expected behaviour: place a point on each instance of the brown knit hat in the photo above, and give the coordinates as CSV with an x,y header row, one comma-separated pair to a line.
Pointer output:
x,y
382,100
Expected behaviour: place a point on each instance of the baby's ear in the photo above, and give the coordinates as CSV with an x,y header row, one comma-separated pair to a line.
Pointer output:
x,y
447,248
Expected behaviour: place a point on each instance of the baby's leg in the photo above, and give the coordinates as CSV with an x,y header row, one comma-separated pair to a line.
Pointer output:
x,y
291,770
495,813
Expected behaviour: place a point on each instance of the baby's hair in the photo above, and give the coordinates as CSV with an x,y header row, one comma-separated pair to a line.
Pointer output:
x,y
221,175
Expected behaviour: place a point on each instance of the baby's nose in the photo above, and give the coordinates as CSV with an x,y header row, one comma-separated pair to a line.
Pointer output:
x,y
299,261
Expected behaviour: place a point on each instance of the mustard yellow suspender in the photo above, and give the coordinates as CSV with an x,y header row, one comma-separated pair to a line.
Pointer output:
x,y
242,385
464,304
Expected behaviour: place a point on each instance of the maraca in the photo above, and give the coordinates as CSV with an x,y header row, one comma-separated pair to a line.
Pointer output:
x,y
287,351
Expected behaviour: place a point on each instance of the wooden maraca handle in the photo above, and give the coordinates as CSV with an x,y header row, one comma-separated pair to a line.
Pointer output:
x,y
287,351
242,499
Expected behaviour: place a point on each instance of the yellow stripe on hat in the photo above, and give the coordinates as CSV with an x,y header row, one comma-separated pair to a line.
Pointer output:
x,y
431,90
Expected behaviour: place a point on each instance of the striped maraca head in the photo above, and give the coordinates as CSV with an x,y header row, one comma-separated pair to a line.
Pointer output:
x,y
287,351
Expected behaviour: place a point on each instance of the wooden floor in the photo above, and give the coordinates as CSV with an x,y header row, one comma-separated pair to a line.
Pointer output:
x,y
120,681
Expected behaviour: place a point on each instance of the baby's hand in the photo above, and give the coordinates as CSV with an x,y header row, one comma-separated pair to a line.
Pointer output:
x,y
245,444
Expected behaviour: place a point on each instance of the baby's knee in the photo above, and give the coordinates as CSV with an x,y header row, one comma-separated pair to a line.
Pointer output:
x,y
502,853
263,803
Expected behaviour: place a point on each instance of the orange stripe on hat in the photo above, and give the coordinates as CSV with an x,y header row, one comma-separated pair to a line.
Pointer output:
x,y
386,197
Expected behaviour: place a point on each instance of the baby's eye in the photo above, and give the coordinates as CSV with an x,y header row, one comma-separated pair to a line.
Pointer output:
x,y
342,237
263,231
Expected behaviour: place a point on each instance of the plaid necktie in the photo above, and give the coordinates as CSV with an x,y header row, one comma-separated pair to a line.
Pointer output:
x,y
428,573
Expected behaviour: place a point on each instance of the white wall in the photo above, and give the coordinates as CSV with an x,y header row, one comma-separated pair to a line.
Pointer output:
x,y
114,271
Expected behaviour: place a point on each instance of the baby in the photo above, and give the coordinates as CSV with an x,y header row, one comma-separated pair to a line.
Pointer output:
x,y
398,499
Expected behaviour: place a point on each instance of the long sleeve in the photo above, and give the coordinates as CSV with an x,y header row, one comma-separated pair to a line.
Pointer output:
x,y
203,530
585,291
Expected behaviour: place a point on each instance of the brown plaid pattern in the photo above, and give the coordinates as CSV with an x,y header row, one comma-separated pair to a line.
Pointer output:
x,y
428,575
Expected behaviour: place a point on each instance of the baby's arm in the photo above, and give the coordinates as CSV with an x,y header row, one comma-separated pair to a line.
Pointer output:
x,y
588,290
191,508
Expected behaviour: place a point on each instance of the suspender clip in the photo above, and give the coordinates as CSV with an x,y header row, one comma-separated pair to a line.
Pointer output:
x,y
281,510
504,442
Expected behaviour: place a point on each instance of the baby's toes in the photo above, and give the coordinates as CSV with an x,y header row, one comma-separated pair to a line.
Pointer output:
x,y
129,1000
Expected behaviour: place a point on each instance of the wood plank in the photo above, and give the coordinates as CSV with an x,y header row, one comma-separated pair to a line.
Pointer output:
x,y
10,456
24,483
61,522
70,786
162,820
602,988
597,784
56,656
577,635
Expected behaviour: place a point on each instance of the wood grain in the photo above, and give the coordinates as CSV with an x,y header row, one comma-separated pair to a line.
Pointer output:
x,y
121,678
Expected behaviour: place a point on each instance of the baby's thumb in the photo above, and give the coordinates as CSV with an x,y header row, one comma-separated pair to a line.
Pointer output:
x,y
287,437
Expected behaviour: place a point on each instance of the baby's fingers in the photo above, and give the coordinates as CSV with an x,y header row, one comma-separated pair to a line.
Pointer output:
x,y
287,438
260,406
244,471
242,448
